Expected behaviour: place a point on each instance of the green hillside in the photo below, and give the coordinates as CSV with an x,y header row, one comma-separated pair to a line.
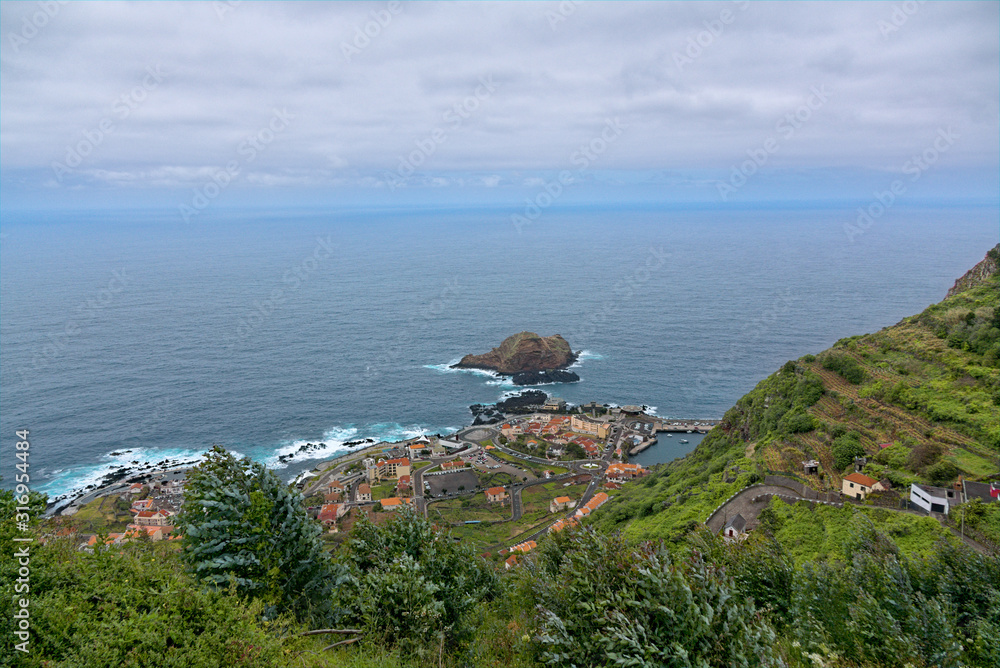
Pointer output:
x,y
930,385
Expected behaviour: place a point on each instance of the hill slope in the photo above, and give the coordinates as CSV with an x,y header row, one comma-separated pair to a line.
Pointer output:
x,y
930,385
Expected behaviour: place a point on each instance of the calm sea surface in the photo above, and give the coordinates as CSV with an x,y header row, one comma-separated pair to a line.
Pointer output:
x,y
138,335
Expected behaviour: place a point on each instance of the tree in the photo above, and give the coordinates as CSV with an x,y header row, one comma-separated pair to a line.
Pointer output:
x,y
942,473
245,528
413,587
845,449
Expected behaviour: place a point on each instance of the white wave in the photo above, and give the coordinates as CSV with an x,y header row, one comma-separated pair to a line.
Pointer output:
x,y
514,393
495,378
333,442
583,357
64,484
449,368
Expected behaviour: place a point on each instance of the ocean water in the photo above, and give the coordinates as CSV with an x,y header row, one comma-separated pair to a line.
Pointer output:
x,y
131,339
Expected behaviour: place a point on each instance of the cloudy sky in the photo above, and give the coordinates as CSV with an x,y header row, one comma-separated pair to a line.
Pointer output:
x,y
391,102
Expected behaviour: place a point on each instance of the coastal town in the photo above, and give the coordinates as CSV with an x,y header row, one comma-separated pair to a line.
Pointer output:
x,y
501,486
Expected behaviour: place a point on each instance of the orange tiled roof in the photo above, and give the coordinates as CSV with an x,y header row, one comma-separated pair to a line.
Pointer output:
x,y
861,479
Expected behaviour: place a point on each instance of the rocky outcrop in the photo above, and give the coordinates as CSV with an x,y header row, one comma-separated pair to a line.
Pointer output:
x,y
978,274
526,402
544,377
524,353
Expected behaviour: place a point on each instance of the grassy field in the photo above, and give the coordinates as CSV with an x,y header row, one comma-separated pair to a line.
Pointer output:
x,y
809,532
108,513
472,507
535,506
384,491
538,470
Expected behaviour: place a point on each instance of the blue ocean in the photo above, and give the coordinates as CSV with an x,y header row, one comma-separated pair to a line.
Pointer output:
x,y
133,338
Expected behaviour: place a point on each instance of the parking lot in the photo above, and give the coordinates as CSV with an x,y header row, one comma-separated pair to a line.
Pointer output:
x,y
450,482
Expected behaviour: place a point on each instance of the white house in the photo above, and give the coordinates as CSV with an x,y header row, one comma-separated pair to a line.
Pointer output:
x,y
933,499
735,527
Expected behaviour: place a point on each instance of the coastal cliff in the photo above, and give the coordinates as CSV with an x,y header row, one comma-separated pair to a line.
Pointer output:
x,y
529,358
982,272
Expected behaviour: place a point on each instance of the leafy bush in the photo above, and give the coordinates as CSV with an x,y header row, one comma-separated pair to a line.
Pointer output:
x,y
129,606
411,586
845,449
846,366
796,422
243,526
881,609
942,473
603,602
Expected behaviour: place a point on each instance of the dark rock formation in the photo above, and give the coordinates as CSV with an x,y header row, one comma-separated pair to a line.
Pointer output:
x,y
524,352
525,402
543,377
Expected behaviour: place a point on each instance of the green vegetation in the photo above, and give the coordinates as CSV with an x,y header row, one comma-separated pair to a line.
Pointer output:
x,y
646,584
846,366
807,532
406,588
929,385
846,448
386,490
107,514
473,507
602,602
245,529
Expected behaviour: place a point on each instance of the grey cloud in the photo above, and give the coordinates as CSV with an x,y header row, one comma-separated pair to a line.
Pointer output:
x,y
556,84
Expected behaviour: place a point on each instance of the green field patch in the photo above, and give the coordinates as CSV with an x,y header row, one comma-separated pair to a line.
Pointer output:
x,y
471,507
384,491
108,513
971,463
816,532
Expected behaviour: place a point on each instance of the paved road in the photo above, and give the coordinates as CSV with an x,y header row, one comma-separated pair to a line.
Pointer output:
x,y
743,504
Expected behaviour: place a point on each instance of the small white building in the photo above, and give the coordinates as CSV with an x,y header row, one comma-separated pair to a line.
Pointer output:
x,y
933,499
735,527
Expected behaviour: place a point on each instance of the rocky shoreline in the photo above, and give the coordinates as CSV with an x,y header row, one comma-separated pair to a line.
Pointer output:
x,y
527,401
544,377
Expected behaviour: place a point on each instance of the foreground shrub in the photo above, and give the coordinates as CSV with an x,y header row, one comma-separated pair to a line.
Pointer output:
x,y
243,526
130,606
412,587
604,602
